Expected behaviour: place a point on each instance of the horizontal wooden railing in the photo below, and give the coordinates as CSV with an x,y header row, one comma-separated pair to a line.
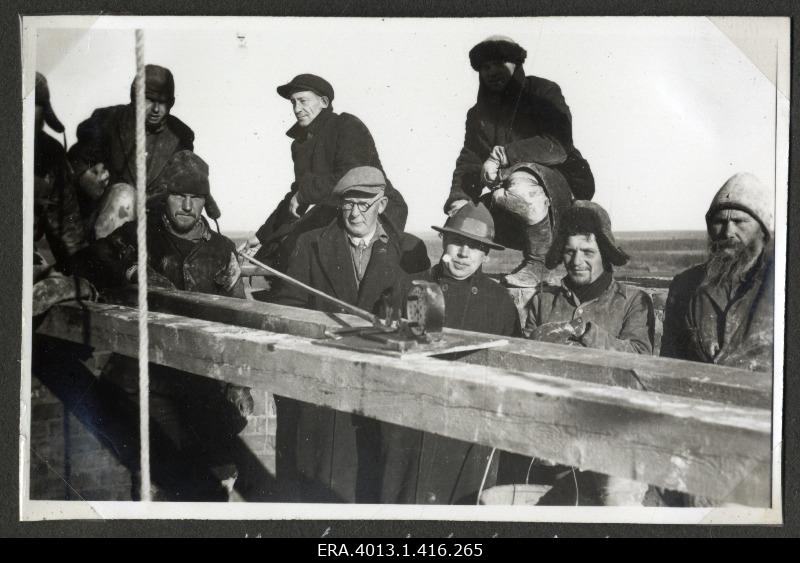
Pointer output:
x,y
690,427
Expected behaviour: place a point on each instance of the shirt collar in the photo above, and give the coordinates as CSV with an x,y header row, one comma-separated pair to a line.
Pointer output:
x,y
378,233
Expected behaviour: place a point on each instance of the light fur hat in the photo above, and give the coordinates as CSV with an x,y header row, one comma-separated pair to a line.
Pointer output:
x,y
745,192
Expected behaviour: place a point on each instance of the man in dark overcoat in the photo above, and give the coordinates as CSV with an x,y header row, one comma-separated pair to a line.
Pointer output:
x,y
518,119
325,145
423,468
325,455
104,156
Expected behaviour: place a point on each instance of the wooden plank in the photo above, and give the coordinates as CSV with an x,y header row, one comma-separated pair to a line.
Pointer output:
x,y
661,375
681,443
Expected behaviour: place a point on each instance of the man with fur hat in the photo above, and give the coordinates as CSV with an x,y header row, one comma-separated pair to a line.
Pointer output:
x,y
721,312
104,157
56,212
423,468
592,310
195,419
325,455
518,119
325,145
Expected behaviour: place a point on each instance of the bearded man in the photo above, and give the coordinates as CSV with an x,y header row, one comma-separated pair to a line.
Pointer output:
x,y
721,312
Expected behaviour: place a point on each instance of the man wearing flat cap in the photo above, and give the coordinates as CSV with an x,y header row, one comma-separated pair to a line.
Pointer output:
x,y
423,468
518,119
104,156
325,455
721,312
325,145
195,419
592,310
56,212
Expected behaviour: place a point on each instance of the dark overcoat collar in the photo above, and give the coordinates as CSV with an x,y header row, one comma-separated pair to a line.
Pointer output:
x,y
336,263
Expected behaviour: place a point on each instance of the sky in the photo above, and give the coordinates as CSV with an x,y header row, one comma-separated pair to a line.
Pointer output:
x,y
664,109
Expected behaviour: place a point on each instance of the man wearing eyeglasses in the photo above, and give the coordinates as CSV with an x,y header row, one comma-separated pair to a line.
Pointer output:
x,y
325,455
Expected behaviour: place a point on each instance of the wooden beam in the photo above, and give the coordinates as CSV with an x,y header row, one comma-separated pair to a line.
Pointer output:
x,y
661,375
680,443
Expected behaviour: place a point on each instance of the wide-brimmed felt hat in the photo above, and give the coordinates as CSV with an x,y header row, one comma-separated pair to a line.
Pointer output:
x,y
304,82
586,217
43,100
472,221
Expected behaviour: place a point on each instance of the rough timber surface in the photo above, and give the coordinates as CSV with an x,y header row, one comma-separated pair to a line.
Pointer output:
x,y
447,344
707,448
661,375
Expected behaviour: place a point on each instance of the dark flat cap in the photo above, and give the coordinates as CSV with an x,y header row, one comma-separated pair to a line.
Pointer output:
x,y
304,82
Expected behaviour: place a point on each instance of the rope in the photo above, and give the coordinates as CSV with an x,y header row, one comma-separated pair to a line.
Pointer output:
x,y
485,475
141,240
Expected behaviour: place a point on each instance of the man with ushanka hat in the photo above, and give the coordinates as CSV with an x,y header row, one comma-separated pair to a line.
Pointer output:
x,y
195,420
588,309
722,311
518,119
325,145
104,157
423,468
324,455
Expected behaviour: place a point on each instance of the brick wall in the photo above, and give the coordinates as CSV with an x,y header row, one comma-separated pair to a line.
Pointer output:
x,y
70,461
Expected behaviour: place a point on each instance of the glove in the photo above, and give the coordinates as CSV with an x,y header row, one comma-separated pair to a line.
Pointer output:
x,y
567,332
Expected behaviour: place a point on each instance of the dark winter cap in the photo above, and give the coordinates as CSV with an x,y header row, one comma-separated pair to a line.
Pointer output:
x,y
304,82
586,217
43,100
159,85
496,48
472,221
186,173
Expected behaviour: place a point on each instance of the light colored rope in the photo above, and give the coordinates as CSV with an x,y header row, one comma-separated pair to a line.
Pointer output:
x,y
141,240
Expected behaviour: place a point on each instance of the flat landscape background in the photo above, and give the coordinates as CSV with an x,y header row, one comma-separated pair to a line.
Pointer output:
x,y
654,254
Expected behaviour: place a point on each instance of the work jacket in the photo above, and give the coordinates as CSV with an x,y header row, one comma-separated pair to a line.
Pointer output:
x,y
424,468
622,316
207,265
56,210
703,324
109,136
